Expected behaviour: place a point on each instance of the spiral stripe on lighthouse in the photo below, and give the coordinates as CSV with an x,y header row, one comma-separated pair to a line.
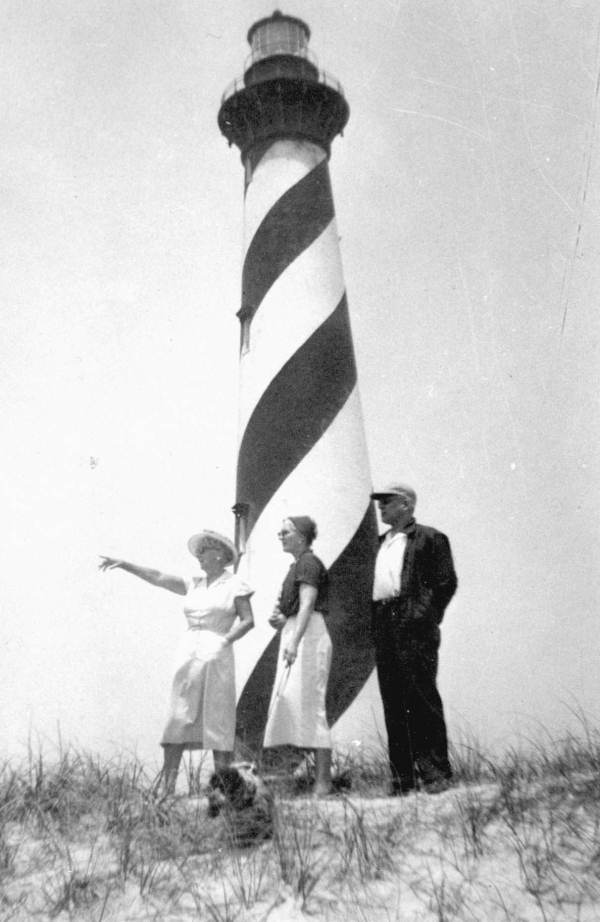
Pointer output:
x,y
309,298
289,227
302,447
272,174
291,417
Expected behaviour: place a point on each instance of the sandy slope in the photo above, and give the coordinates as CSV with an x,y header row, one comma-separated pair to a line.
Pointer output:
x,y
526,854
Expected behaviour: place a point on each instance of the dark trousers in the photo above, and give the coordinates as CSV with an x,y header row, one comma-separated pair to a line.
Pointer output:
x,y
407,662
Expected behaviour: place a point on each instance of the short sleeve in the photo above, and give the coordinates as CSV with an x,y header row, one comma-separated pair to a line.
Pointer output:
x,y
191,583
241,589
309,570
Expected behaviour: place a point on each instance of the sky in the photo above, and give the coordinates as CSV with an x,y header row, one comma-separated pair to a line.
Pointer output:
x,y
467,201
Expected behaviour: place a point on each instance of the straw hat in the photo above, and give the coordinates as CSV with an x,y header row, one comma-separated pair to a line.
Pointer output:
x,y
212,539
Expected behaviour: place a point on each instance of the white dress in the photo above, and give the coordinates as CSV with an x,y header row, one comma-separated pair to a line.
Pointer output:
x,y
297,715
202,712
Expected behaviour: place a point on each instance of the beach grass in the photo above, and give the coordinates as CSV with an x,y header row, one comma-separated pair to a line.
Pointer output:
x,y
516,838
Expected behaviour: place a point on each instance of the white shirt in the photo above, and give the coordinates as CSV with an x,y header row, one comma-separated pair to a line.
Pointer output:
x,y
388,566
213,607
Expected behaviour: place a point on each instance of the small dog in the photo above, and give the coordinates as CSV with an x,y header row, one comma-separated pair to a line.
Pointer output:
x,y
241,797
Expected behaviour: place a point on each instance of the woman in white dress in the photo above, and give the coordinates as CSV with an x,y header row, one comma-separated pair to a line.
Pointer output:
x,y
297,715
218,612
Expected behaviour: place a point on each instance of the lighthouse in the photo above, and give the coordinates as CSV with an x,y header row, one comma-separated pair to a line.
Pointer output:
x,y
302,447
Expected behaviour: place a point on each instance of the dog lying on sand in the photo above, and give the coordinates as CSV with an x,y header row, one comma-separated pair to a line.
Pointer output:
x,y
240,796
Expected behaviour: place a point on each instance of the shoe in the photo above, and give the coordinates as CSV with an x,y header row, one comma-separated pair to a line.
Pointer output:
x,y
438,786
401,790
320,792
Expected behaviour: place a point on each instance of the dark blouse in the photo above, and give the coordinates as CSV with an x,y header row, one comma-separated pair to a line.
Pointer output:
x,y
307,569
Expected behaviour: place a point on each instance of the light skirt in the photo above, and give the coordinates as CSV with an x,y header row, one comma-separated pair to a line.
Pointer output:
x,y
297,715
202,712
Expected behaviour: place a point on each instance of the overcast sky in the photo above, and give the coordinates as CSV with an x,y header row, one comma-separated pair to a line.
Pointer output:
x,y
467,199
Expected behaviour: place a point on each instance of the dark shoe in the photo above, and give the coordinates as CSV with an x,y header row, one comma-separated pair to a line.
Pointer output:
x,y
438,786
402,790
342,781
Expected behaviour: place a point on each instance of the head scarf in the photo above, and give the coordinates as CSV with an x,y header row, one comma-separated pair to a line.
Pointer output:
x,y
305,525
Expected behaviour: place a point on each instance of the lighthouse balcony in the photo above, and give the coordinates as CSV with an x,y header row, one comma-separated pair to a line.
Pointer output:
x,y
283,106
281,66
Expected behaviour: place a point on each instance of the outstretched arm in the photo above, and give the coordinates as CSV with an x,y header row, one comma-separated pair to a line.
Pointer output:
x,y
163,580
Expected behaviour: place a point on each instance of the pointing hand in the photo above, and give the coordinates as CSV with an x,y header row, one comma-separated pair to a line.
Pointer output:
x,y
109,563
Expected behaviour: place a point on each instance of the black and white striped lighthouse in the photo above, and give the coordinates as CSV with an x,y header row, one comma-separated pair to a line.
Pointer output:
x,y
302,445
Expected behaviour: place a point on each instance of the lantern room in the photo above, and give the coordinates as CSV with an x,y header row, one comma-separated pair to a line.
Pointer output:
x,y
279,46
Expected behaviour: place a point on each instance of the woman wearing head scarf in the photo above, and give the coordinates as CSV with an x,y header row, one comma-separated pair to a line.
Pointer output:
x,y
297,715
218,612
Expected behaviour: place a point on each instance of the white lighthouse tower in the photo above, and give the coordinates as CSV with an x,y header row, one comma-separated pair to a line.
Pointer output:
x,y
302,447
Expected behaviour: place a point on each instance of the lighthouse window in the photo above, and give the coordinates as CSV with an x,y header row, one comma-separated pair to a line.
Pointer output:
x,y
279,37
245,336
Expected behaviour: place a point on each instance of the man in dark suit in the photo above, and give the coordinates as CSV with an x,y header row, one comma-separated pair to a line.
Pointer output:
x,y
414,581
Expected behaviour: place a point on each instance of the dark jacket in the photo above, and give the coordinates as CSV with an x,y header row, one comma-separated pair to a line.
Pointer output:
x,y
428,578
